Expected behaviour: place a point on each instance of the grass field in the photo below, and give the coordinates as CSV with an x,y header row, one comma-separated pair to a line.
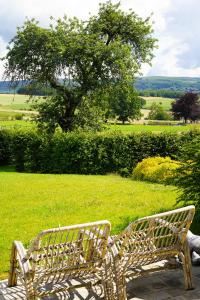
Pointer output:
x,y
137,128
14,102
153,128
32,202
18,102
165,102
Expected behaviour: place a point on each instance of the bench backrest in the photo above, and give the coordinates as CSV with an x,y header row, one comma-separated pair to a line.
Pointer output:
x,y
66,252
148,239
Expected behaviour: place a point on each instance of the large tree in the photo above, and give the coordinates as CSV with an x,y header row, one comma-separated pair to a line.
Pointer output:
x,y
187,107
110,47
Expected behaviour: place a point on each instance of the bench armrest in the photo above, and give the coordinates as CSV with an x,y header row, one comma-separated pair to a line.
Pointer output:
x,y
19,260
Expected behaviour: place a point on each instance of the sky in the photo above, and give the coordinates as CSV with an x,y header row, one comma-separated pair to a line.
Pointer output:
x,y
175,22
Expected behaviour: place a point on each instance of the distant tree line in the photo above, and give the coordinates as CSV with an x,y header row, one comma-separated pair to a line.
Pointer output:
x,y
29,90
161,93
35,91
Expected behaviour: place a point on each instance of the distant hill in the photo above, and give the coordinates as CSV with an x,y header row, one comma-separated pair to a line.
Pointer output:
x,y
168,83
144,83
5,88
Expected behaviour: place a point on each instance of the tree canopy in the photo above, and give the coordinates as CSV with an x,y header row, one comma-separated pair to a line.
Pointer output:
x,y
187,107
75,58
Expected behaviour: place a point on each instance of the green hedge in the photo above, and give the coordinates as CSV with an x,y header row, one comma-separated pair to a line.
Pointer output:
x,y
5,147
85,153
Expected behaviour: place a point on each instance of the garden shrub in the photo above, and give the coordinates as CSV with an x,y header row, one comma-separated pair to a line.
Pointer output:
x,y
19,116
156,169
189,179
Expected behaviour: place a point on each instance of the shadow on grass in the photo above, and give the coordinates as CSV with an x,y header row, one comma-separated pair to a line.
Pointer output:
x,y
7,169
123,223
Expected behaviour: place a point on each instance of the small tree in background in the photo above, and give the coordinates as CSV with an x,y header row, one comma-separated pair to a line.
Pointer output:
x,y
187,107
124,103
158,113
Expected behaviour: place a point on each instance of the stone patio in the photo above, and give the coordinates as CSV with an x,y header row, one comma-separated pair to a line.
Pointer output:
x,y
158,286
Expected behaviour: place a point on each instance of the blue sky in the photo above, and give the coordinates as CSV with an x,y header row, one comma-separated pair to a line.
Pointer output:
x,y
176,25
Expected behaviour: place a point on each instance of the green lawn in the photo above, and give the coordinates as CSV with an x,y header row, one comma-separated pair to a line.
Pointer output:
x,y
128,128
166,102
32,202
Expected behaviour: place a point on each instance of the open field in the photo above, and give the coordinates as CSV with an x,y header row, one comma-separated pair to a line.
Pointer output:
x,y
32,202
165,102
128,128
19,102
13,102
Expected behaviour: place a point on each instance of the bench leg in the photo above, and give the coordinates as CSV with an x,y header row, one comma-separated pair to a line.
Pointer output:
x,y
187,268
12,277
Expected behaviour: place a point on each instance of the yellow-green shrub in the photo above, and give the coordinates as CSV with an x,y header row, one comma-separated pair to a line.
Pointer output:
x,y
156,169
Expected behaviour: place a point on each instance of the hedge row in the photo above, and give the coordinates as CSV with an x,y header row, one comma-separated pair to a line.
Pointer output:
x,y
85,153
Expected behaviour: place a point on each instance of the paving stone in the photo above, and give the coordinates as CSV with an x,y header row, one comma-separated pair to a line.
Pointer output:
x,y
167,285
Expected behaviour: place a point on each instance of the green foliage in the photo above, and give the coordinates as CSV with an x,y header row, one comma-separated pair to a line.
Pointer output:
x,y
88,153
157,113
156,169
124,103
91,56
189,173
161,93
19,116
5,147
33,89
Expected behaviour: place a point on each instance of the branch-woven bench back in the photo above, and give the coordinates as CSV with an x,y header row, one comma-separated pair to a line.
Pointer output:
x,y
68,252
153,238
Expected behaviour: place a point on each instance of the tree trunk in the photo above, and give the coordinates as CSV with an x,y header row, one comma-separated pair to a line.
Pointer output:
x,y
66,123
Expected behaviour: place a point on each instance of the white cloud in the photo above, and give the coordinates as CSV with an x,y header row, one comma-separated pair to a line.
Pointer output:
x,y
179,41
3,46
176,25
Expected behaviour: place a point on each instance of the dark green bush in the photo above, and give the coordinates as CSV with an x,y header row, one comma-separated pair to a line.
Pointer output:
x,y
189,173
19,116
86,153
5,147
